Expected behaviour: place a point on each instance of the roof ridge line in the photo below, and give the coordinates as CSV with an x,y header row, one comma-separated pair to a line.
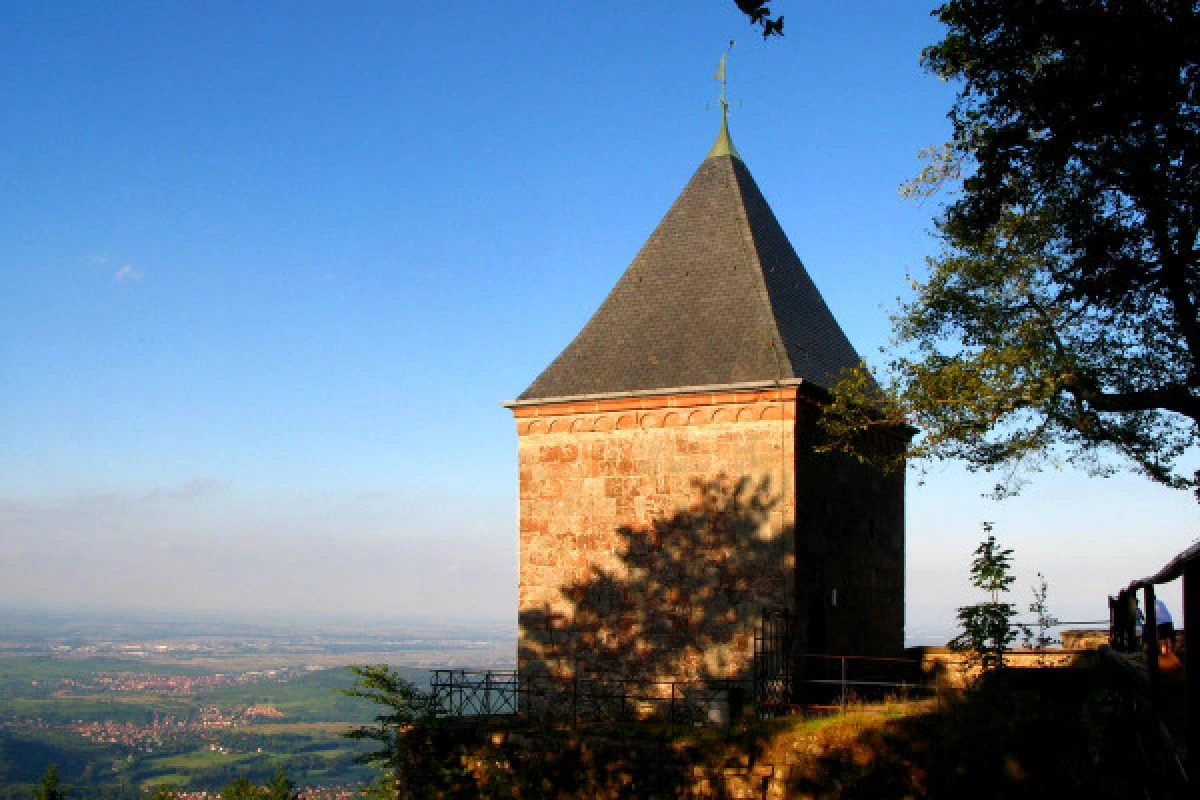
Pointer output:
x,y
712,388
783,360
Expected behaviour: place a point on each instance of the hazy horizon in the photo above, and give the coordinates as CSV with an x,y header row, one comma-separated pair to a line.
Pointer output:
x,y
271,269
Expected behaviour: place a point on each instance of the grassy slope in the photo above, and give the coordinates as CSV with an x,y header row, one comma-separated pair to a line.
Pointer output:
x,y
1040,733
1030,733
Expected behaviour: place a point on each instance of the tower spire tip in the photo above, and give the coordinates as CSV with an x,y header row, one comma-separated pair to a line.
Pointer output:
x,y
724,145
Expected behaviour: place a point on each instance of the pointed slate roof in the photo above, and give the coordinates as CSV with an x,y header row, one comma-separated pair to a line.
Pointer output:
x,y
716,297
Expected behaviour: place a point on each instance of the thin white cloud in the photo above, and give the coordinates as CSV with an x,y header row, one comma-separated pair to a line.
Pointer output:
x,y
196,487
98,259
128,273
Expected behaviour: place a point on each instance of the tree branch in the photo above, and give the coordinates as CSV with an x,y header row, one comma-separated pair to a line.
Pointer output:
x,y
1177,398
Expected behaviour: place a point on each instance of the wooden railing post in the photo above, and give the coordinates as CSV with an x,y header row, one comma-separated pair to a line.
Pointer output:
x,y
843,660
1191,644
1150,638
1131,639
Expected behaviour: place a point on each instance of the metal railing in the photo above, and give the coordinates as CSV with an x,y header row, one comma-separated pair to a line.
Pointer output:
x,y
471,693
833,681
823,683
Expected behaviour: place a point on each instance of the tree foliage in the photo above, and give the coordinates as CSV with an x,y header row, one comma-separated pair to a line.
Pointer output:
x,y
1060,317
1063,308
280,787
50,788
760,14
241,788
1037,636
405,733
988,630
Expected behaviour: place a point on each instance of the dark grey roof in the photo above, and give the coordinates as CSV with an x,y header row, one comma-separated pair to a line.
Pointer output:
x,y
717,296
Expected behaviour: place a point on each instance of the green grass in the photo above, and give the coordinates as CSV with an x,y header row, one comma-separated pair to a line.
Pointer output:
x,y
23,669
330,752
312,697
198,759
95,707
314,729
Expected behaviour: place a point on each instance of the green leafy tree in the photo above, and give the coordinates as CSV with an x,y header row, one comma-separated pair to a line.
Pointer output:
x,y
402,733
1060,319
241,788
50,788
1037,636
1069,286
988,630
760,14
280,787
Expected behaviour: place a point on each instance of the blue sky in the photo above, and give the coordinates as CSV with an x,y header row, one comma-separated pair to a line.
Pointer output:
x,y
271,268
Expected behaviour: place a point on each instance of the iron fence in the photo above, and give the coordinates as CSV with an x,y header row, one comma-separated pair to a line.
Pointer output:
x,y
821,683
827,681
469,693
774,667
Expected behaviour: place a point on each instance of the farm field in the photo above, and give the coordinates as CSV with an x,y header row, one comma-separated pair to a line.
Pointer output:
x,y
123,710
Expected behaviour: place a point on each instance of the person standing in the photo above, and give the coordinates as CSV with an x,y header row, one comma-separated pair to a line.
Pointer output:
x,y
1166,628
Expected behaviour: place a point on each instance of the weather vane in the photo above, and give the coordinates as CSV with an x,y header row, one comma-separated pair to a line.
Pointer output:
x,y
722,101
724,145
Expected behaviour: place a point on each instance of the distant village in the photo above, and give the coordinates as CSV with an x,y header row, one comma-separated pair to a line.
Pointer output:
x,y
160,683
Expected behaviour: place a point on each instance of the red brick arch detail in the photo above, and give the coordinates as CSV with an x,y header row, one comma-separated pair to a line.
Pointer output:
x,y
772,412
654,412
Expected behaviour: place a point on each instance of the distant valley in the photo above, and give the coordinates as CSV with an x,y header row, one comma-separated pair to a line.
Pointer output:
x,y
123,703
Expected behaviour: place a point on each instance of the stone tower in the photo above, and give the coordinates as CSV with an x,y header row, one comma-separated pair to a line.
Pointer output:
x,y
669,492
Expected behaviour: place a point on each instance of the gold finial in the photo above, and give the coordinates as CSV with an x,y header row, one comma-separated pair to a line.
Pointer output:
x,y
724,145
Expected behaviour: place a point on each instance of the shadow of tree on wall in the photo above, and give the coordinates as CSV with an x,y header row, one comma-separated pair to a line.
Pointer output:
x,y
681,600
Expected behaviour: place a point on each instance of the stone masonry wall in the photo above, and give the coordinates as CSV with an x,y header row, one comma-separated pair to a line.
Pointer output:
x,y
653,531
